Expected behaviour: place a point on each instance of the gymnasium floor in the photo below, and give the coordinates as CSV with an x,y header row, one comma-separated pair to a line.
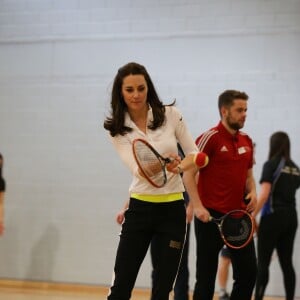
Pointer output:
x,y
19,293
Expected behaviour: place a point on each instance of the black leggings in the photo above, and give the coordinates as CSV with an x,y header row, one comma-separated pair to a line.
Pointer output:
x,y
277,231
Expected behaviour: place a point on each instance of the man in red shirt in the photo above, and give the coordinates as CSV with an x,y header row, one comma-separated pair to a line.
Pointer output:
x,y
221,187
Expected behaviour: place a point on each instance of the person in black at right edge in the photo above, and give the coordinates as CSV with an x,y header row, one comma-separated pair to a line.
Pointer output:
x,y
278,216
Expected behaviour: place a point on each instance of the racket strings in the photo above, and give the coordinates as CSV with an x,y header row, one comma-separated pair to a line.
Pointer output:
x,y
237,229
150,164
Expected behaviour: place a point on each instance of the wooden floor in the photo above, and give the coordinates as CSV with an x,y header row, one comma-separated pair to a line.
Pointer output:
x,y
13,294
11,290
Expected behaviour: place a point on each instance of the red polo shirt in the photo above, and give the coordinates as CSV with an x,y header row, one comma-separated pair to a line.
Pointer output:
x,y
222,182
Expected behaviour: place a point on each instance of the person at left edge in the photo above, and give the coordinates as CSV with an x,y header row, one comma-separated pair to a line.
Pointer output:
x,y
137,112
2,192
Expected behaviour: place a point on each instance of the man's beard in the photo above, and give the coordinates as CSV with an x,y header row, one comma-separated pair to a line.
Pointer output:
x,y
234,125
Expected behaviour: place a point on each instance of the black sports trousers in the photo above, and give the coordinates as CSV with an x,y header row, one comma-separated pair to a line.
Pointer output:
x,y
144,221
209,243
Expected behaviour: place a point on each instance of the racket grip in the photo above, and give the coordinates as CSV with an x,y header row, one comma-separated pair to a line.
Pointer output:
x,y
246,201
201,159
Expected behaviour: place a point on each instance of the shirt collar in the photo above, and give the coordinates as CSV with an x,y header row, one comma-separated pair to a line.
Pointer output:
x,y
227,134
129,123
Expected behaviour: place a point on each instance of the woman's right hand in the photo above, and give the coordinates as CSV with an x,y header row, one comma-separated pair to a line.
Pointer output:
x,y
120,216
172,166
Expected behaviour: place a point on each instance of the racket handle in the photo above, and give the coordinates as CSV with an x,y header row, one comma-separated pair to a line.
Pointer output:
x,y
246,201
201,160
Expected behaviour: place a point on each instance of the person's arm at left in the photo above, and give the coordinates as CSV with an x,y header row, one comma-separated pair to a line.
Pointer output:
x,y
1,213
251,196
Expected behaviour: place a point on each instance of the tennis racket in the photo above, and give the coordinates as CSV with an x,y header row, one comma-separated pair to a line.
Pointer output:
x,y
153,165
236,228
150,162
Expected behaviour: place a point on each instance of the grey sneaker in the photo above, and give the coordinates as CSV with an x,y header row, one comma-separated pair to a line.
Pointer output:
x,y
224,297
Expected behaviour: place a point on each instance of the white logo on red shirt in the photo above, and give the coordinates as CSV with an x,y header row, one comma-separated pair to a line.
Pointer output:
x,y
242,150
224,149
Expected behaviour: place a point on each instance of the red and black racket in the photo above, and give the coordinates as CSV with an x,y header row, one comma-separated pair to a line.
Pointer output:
x,y
236,228
150,162
153,165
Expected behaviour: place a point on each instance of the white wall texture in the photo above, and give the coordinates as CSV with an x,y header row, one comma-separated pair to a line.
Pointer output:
x,y
58,58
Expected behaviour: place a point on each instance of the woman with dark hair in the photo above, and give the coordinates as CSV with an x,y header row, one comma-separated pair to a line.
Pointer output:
x,y
2,191
152,213
278,221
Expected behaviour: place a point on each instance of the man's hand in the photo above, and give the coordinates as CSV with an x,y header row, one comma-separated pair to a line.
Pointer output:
x,y
251,201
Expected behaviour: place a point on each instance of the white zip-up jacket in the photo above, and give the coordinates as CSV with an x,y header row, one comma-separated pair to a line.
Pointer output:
x,y
164,139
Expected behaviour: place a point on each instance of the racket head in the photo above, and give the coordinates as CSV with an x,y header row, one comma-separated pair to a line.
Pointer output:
x,y
150,162
237,228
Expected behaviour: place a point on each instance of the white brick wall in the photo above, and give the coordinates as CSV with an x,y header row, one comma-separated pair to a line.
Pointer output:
x,y
57,62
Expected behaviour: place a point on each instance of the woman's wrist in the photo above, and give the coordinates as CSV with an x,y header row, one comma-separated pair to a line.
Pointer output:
x,y
179,169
